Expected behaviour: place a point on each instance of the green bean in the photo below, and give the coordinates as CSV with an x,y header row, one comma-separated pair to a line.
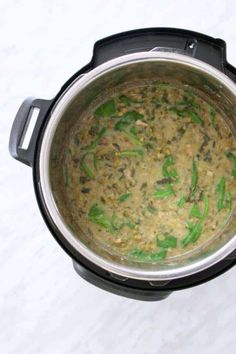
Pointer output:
x,y
133,131
84,166
163,193
98,216
133,138
220,189
96,142
132,153
166,241
124,197
196,118
106,109
127,119
129,223
184,108
195,210
128,101
148,256
194,179
188,99
116,223
193,234
181,201
179,110
172,173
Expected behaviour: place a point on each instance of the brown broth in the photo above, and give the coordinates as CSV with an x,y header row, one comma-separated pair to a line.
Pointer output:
x,y
141,175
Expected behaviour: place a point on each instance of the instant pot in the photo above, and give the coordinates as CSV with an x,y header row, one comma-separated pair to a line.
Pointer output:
x,y
195,60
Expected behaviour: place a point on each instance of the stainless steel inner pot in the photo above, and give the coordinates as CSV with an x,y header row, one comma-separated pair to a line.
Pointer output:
x,y
160,66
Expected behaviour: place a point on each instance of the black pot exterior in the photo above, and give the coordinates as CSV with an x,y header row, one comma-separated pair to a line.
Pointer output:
x,y
210,50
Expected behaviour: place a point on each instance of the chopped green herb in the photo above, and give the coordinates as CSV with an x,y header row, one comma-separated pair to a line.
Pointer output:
x,y
127,119
127,101
129,223
220,189
130,153
184,108
96,142
166,171
122,124
85,167
212,115
179,109
194,179
116,223
133,131
232,157
163,193
124,197
107,109
98,216
181,201
166,241
188,99
148,256
133,138
196,118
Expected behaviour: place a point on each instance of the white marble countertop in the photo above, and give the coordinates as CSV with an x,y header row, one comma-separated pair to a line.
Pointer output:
x,y
45,307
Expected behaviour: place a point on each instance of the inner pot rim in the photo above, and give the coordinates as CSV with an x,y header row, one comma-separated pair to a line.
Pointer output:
x,y
44,157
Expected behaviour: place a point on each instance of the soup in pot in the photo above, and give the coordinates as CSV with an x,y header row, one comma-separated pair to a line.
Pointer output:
x,y
149,173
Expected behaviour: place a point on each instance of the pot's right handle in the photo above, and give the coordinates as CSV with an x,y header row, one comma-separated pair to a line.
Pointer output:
x,y
30,109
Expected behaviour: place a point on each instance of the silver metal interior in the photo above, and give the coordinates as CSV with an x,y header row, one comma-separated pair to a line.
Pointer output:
x,y
162,67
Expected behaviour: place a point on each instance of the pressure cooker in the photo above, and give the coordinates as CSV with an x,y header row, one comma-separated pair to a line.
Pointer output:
x,y
194,59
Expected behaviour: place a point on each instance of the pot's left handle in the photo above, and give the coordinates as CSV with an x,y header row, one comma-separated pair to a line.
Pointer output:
x,y
26,127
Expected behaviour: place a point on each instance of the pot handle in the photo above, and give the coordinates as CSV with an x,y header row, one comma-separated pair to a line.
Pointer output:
x,y
29,119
